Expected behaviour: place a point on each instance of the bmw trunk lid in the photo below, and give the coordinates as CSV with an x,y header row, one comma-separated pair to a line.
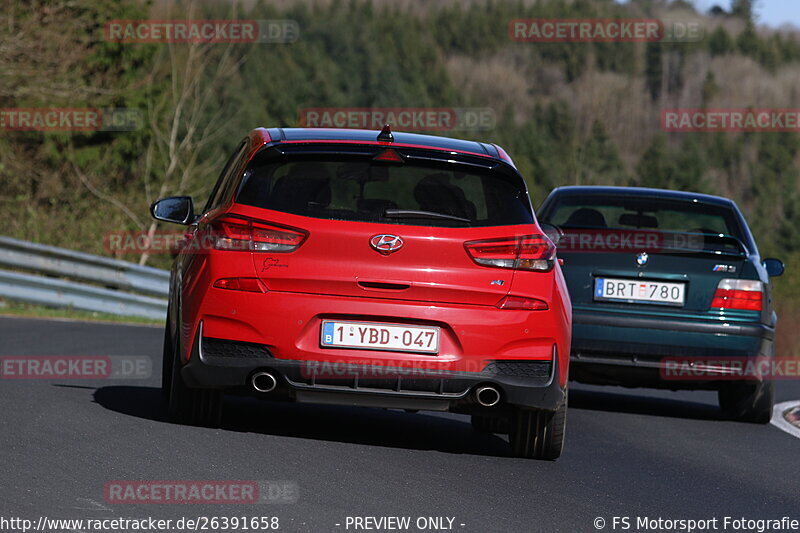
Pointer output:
x,y
646,250
655,279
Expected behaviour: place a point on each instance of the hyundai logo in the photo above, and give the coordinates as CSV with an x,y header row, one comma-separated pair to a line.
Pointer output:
x,y
642,259
386,244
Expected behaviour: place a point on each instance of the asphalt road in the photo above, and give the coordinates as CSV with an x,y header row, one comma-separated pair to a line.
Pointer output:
x,y
628,453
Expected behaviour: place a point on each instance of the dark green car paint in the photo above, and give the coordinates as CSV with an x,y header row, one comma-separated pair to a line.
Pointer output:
x,y
625,343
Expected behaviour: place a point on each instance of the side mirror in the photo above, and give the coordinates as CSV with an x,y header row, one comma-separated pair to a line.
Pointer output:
x,y
554,233
175,209
774,266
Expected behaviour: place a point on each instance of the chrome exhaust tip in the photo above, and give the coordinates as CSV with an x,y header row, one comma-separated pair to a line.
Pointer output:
x,y
487,396
263,382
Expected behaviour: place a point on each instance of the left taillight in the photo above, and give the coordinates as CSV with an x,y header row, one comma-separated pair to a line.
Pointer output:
x,y
528,252
231,233
241,284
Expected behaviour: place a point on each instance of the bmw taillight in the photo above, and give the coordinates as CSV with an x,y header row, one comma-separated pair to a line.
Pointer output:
x,y
529,252
739,294
250,235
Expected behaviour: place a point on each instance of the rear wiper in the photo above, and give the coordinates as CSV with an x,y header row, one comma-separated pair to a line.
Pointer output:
x,y
410,213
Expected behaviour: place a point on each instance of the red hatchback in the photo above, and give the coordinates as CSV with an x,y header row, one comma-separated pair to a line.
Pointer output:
x,y
371,269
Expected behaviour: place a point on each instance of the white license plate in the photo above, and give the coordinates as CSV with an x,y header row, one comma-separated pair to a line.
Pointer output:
x,y
372,336
639,291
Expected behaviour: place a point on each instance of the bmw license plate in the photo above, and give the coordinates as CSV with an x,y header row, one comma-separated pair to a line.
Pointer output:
x,y
639,291
387,337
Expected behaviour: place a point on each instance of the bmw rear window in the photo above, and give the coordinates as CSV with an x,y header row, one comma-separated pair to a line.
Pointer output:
x,y
351,188
597,212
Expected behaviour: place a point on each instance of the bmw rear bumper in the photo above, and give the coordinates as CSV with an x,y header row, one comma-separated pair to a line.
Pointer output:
x,y
616,349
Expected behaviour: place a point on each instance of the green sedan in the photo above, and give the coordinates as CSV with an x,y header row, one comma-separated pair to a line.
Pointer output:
x,y
668,290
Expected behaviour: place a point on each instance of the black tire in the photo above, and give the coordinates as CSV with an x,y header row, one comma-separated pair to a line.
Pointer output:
x,y
538,434
490,424
166,362
748,402
194,407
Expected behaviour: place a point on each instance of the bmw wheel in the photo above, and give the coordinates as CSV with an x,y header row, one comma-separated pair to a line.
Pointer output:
x,y
748,402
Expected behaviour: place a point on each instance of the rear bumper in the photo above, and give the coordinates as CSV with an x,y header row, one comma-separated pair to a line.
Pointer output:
x,y
281,332
643,351
531,384
708,327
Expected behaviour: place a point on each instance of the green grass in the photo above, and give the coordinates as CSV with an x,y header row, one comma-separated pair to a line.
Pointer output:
x,y
10,308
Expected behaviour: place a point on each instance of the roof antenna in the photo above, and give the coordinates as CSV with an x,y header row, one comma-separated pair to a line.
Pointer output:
x,y
386,134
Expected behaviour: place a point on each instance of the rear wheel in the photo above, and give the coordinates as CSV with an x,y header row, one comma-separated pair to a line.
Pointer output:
x,y
490,424
748,402
538,434
166,362
195,407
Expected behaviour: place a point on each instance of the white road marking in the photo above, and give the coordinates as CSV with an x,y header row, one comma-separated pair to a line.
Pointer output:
x,y
95,506
780,422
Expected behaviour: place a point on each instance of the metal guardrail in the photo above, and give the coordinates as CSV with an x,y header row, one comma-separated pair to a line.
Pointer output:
x,y
114,287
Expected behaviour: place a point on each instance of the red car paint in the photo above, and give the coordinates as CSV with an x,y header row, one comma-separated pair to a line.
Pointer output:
x,y
273,275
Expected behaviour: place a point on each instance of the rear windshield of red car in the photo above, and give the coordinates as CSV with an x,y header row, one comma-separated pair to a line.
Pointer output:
x,y
430,194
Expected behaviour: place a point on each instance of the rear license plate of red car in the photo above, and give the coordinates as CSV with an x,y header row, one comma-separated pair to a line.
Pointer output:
x,y
386,337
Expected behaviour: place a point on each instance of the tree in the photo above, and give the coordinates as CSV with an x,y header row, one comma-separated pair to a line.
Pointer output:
x,y
656,167
748,42
688,172
653,69
744,9
599,159
710,88
43,173
719,42
185,118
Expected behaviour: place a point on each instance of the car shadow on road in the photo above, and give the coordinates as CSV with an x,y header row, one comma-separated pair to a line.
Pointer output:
x,y
642,404
141,402
367,426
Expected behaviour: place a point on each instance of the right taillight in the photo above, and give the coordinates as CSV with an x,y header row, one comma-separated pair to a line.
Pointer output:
x,y
231,233
739,294
528,252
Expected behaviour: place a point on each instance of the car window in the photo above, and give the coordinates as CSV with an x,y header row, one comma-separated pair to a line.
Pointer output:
x,y
222,187
607,212
359,190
